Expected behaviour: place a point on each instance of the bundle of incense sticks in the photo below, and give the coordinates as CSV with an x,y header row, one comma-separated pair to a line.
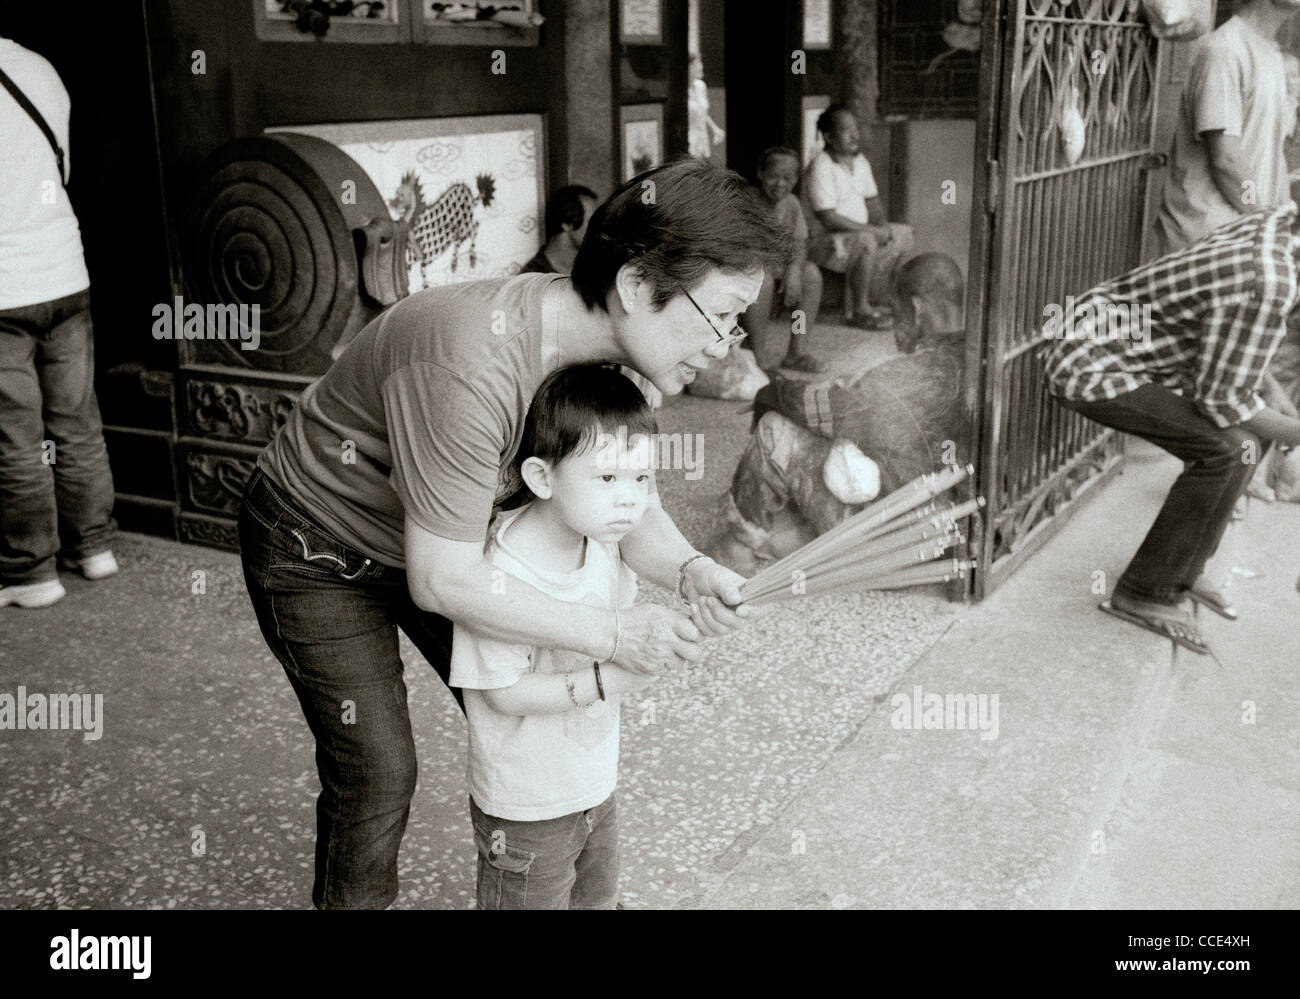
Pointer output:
x,y
896,542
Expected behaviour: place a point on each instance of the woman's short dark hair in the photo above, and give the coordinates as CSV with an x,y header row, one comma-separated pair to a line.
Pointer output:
x,y
773,152
571,409
565,207
676,223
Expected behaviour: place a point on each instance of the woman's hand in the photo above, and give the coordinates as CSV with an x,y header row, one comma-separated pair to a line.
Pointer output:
x,y
714,593
653,639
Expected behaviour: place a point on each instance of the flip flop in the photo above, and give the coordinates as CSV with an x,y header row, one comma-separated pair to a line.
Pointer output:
x,y
1162,627
1212,599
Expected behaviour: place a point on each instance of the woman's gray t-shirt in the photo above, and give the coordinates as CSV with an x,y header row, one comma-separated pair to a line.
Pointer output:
x,y
421,415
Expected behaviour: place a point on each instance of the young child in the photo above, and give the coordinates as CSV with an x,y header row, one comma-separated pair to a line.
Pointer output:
x,y
544,723
799,285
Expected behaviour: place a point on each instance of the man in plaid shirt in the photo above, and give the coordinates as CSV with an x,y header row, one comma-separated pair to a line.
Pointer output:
x,y
1177,352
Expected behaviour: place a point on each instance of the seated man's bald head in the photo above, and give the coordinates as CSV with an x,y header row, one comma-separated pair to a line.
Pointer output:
x,y
928,295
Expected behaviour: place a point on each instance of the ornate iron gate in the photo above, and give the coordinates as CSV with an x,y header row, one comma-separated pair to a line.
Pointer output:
x,y
1066,147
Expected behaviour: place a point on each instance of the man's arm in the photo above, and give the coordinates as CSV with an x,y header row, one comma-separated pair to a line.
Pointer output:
x,y
1270,425
1275,396
835,222
1230,168
454,579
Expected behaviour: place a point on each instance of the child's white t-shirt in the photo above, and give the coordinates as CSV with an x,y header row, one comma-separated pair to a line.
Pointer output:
x,y
540,766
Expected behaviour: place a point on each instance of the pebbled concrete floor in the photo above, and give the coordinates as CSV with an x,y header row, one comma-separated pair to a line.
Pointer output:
x,y
201,791
771,776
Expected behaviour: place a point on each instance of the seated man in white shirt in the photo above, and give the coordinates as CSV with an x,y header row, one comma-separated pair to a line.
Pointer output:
x,y
851,234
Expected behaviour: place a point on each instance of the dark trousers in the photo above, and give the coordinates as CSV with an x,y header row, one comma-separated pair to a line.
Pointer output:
x,y
331,616
56,489
1219,463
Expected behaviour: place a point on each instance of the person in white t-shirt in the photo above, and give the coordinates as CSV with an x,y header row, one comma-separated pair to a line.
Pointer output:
x,y
56,489
850,233
1228,156
544,723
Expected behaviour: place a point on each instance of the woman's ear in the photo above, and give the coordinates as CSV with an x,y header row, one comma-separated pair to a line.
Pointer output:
x,y
628,284
536,474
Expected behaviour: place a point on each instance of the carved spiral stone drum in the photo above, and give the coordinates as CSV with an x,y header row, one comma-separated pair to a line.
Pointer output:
x,y
291,224
285,222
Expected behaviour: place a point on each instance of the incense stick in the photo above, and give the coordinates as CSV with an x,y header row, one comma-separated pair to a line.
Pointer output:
x,y
874,519
879,519
929,573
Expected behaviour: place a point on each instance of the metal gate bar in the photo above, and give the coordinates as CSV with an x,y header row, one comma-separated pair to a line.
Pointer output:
x,y
1060,219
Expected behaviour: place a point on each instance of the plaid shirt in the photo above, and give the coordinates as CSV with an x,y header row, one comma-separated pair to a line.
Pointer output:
x,y
1204,321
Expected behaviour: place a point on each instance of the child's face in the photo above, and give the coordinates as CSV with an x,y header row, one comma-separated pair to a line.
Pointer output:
x,y
602,492
778,178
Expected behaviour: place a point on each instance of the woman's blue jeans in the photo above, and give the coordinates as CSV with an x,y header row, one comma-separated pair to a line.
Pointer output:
x,y
331,616
56,489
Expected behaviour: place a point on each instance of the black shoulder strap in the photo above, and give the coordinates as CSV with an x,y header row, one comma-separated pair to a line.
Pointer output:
x,y
30,108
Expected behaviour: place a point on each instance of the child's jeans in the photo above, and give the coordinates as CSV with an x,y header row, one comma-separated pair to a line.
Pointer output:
x,y
566,863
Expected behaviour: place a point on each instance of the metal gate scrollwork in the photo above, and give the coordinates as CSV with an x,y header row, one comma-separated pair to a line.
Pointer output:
x,y
1068,143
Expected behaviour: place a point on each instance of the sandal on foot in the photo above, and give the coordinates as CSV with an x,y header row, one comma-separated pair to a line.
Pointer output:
x,y
1168,622
1212,599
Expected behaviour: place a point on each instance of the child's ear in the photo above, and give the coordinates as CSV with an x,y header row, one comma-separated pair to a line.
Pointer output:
x,y
536,474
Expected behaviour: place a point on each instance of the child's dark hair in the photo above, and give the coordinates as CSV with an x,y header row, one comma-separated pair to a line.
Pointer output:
x,y
676,223
571,408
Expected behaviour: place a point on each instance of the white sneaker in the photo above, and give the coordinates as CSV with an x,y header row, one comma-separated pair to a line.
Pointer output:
x,y
33,595
101,565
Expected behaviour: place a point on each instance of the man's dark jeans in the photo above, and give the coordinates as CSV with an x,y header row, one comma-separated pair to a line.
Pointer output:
x,y
56,489
331,616
1219,462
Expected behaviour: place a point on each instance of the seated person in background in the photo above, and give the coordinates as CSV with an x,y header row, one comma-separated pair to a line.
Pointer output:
x,y
567,211
821,451
799,286
852,236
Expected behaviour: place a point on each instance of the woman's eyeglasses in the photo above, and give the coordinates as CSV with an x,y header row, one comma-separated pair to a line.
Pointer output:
x,y
732,338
